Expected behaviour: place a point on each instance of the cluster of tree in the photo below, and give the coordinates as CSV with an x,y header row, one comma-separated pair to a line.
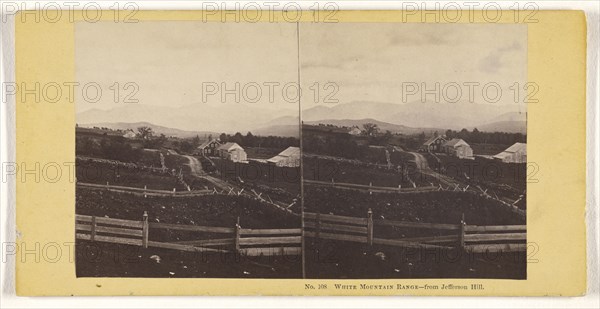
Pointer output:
x,y
376,137
250,140
187,145
344,146
479,137
149,139
108,148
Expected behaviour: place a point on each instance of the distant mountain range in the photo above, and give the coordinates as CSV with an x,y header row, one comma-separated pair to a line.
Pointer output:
x,y
224,118
155,128
417,115
383,126
213,119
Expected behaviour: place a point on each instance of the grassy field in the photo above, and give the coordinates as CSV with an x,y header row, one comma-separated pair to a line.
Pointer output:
x,y
360,173
282,183
485,171
100,259
488,149
101,173
433,207
261,153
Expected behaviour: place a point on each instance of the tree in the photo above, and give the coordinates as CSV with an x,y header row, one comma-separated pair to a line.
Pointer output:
x,y
196,141
186,146
145,132
370,129
386,138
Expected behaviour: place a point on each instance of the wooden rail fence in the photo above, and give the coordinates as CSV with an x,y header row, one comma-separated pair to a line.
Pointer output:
x,y
370,188
270,242
248,242
143,191
470,238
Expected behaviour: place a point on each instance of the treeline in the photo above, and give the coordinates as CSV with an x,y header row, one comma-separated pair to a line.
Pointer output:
x,y
250,140
108,148
479,137
342,145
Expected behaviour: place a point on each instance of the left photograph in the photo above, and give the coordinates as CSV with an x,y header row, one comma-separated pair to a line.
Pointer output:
x,y
187,150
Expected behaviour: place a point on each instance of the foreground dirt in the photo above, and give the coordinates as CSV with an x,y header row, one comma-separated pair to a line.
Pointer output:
x,y
336,259
111,260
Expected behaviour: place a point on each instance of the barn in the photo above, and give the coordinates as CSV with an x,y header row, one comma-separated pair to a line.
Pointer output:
x,y
287,158
208,148
516,153
458,148
433,144
232,152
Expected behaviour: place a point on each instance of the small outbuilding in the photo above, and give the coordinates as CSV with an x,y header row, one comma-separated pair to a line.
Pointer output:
x,y
458,148
433,144
232,152
517,153
355,131
129,134
287,158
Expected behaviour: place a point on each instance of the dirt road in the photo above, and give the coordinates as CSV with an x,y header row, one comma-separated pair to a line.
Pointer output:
x,y
195,166
423,167
421,162
196,170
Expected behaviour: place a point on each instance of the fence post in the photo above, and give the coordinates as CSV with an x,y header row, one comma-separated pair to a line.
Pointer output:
x,y
462,232
93,233
370,227
237,235
318,222
145,230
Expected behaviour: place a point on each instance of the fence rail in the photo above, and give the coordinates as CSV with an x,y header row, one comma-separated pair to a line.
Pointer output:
x,y
353,186
144,191
283,241
136,233
471,238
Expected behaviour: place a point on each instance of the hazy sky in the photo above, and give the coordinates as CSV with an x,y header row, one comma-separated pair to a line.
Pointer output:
x,y
172,60
371,61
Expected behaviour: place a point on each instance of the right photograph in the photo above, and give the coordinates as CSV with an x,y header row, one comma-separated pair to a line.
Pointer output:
x,y
414,150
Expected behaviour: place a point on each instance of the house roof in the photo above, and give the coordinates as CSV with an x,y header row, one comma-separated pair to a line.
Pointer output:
x,y
433,139
289,152
230,146
455,142
502,155
208,142
517,147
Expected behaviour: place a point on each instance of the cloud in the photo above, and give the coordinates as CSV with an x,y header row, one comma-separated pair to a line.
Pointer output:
x,y
493,62
422,38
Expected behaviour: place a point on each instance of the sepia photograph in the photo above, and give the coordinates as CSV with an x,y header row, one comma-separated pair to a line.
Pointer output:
x,y
299,150
411,139
188,165
417,169
313,151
